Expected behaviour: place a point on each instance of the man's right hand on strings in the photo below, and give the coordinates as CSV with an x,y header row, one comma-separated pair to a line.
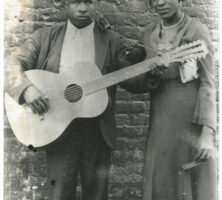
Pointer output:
x,y
35,100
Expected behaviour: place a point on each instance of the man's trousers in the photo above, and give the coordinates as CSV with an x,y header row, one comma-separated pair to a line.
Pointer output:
x,y
81,150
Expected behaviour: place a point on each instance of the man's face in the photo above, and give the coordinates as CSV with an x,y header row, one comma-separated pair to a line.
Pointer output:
x,y
80,12
165,8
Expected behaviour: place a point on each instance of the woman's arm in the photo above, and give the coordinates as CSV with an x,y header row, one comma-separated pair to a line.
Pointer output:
x,y
139,84
205,110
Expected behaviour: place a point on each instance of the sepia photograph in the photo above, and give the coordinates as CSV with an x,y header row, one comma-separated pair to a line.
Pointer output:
x,y
110,99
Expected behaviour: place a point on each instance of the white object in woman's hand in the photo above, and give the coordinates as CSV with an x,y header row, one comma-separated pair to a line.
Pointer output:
x,y
206,148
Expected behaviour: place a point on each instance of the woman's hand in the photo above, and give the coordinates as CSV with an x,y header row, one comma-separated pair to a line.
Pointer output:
x,y
206,148
159,65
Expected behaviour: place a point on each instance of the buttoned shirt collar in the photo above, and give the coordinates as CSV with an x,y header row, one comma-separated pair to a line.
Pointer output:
x,y
73,30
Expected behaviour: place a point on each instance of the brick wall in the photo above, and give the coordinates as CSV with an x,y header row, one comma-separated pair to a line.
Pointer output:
x,y
24,170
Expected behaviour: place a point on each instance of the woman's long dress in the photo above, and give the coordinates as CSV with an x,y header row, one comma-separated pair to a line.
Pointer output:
x,y
178,112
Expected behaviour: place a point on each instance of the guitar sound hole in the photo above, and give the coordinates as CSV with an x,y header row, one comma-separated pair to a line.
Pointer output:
x,y
73,93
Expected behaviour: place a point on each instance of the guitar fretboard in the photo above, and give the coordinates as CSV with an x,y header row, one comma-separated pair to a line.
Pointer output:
x,y
118,76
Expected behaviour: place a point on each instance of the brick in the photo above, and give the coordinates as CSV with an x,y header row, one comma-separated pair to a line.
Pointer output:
x,y
138,6
130,32
134,6
119,157
131,131
21,28
140,97
51,15
194,12
108,7
13,41
121,144
122,119
122,95
121,175
140,19
131,107
45,3
132,144
138,119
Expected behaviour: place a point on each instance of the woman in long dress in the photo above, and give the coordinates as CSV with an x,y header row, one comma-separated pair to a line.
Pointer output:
x,y
183,113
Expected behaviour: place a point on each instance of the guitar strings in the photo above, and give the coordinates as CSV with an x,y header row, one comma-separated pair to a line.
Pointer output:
x,y
70,92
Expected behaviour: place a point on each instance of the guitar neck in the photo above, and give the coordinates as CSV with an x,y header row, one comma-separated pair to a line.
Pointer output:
x,y
120,76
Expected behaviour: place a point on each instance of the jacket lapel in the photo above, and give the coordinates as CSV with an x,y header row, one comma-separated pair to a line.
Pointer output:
x,y
101,46
53,60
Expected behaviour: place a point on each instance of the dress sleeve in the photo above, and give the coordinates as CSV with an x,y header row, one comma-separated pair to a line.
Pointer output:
x,y
205,110
24,58
154,80
139,84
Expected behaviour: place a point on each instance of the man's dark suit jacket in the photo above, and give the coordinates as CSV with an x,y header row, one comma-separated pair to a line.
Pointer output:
x,y
43,49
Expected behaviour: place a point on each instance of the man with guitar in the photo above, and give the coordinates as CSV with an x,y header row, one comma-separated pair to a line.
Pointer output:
x,y
85,146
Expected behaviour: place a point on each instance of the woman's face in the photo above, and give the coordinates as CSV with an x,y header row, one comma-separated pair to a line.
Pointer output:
x,y
165,8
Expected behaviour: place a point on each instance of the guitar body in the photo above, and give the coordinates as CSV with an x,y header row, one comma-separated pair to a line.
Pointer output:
x,y
38,131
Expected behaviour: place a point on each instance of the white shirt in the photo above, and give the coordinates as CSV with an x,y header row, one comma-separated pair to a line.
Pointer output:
x,y
78,45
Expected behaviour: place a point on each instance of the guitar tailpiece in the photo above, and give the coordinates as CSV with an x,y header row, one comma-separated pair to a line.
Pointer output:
x,y
31,148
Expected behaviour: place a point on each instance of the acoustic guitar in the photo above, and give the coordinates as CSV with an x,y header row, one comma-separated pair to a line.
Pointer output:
x,y
80,94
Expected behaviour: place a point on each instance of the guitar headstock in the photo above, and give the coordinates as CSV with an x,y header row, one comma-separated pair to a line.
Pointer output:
x,y
190,51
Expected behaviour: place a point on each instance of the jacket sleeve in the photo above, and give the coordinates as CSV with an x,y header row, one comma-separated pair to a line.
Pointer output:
x,y
23,59
205,110
138,84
